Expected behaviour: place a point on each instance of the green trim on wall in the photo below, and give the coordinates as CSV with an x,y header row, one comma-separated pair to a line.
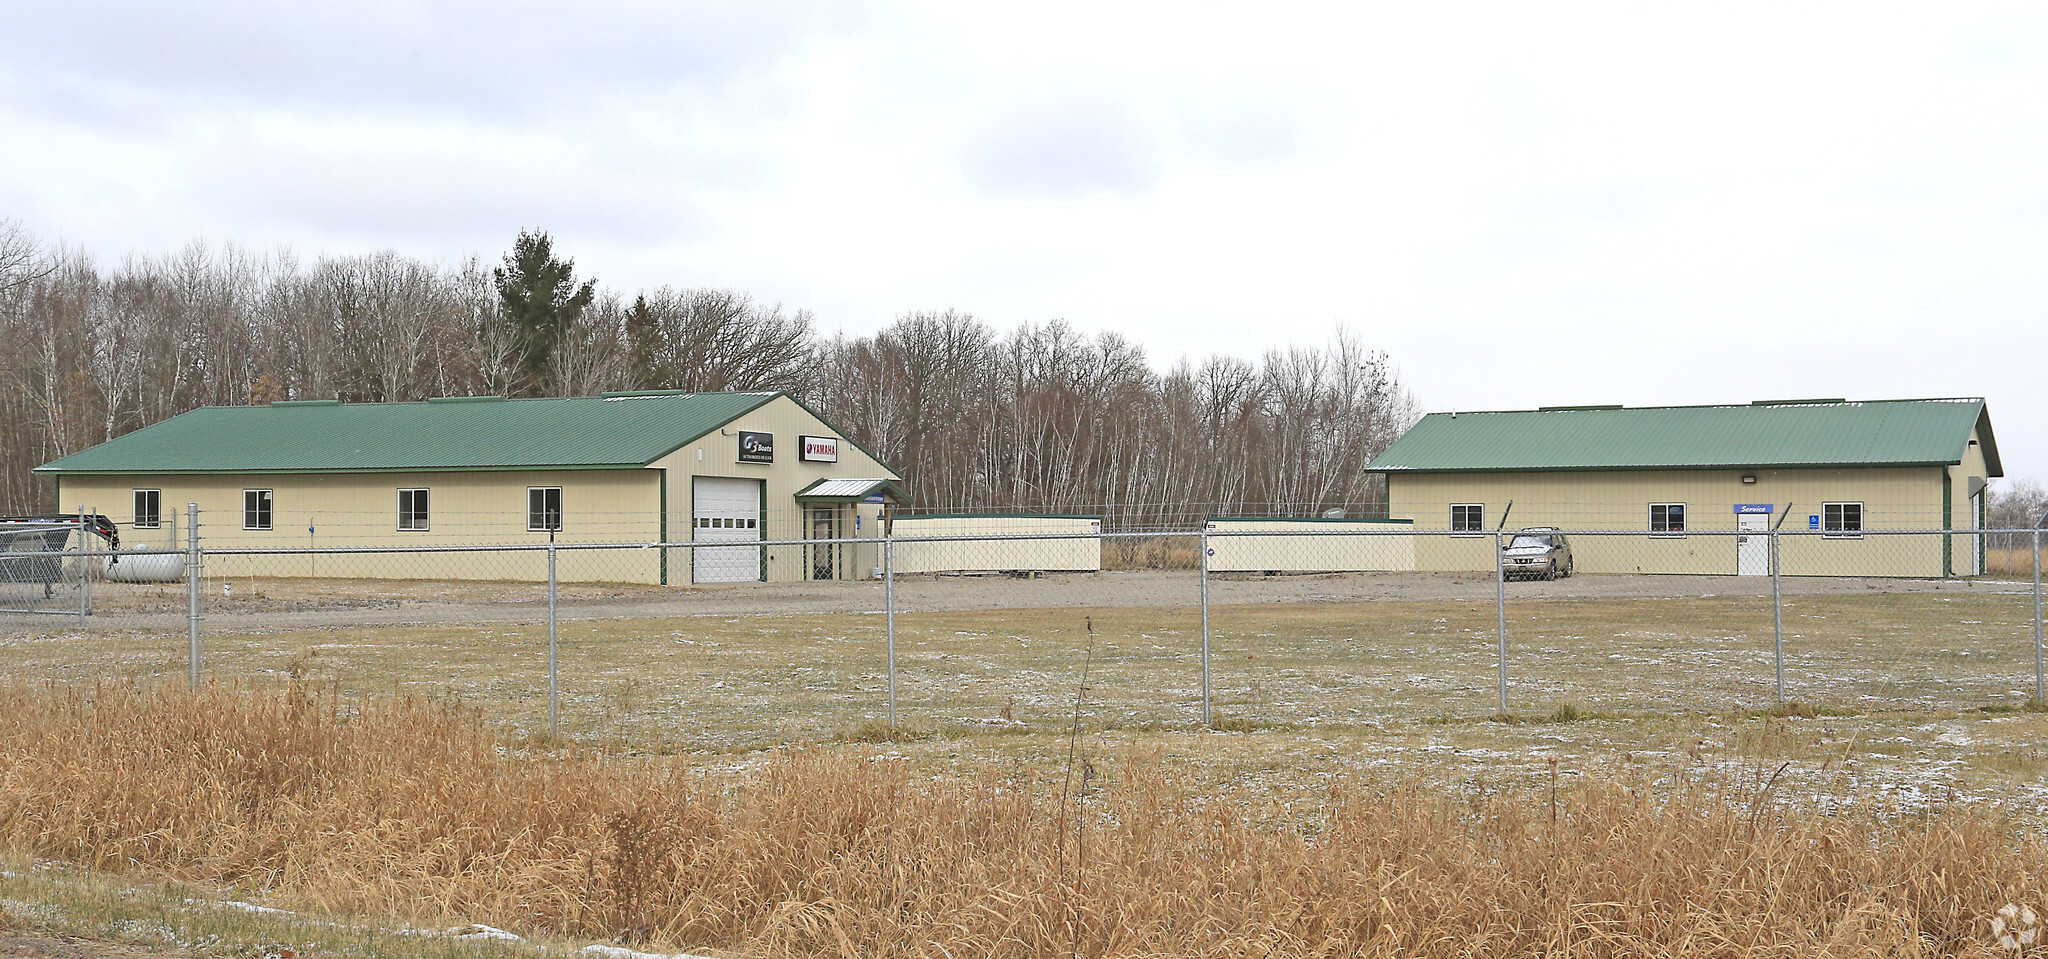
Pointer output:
x,y
908,516
1948,522
1303,519
1983,541
664,524
352,471
1392,471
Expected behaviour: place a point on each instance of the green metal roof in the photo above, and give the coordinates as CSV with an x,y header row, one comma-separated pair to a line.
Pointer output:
x,y
1765,434
850,490
453,433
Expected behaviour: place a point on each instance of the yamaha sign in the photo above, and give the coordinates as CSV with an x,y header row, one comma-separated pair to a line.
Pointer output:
x,y
819,449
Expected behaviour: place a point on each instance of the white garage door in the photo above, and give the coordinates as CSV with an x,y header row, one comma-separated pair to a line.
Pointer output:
x,y
726,511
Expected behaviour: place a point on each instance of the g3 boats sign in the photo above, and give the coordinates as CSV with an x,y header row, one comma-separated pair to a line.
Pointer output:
x,y
757,447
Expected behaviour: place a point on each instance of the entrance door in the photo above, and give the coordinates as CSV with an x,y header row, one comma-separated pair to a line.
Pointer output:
x,y
1973,565
823,526
1752,551
725,510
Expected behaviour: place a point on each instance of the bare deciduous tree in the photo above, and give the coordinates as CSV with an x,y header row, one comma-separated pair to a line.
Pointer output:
x,y
1042,418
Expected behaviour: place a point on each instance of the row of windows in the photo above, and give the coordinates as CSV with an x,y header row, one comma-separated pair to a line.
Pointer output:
x,y
727,522
543,508
1669,518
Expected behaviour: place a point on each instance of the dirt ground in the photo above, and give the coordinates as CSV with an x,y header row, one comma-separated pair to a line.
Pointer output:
x,y
264,603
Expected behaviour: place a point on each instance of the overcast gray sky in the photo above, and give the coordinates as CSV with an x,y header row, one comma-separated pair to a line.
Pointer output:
x,y
1524,204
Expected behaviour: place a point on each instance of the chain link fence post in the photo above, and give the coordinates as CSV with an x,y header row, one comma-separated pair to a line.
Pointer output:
x,y
1207,718
84,590
1500,610
193,568
1778,617
2040,680
98,566
889,611
554,675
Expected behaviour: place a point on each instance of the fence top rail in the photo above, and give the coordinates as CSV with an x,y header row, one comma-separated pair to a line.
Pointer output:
x,y
1330,532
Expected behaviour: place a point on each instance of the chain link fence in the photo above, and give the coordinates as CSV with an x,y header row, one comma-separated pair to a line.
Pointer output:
x,y
948,624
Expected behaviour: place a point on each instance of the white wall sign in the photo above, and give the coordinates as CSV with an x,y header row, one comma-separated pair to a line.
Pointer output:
x,y
819,449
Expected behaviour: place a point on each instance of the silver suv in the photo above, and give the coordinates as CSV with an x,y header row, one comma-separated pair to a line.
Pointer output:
x,y
1536,552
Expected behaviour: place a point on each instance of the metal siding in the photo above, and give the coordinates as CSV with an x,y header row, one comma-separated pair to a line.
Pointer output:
x,y
1310,546
361,509
1083,553
1903,498
782,519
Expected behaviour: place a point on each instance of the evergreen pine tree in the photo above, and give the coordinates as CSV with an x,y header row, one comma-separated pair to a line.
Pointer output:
x,y
646,370
538,296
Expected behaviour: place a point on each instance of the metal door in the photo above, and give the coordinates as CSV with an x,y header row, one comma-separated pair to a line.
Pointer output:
x,y
1753,552
725,510
823,526
1973,564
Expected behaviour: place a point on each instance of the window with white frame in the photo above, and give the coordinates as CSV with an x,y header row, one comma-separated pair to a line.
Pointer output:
x,y
256,508
1667,517
412,509
1468,517
1841,519
149,508
543,507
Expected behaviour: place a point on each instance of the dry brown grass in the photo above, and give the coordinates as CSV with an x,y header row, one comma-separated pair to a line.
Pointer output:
x,y
403,806
2000,561
1152,552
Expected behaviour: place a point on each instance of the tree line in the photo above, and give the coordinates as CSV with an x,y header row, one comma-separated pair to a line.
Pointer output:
x,y
1041,417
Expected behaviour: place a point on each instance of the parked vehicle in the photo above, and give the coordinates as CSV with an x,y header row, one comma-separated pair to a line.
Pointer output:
x,y
1536,552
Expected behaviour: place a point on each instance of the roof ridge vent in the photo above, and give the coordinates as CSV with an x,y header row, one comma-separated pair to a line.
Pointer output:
x,y
305,402
1560,409
465,399
643,394
1825,401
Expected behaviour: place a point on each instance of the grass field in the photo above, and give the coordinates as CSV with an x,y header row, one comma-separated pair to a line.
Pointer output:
x,y
1912,696
382,812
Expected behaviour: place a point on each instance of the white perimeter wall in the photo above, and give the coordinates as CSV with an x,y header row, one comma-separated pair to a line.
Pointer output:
x,y
1310,546
1082,553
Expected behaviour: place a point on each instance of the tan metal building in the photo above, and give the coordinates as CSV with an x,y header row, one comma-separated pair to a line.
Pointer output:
x,y
1079,549
1834,471
629,467
1284,545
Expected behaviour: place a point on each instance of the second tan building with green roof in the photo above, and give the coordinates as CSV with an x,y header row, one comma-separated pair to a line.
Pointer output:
x,y
1689,484
391,480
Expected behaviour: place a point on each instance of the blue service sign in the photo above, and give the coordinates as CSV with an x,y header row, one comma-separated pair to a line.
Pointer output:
x,y
1752,507
1813,521
876,498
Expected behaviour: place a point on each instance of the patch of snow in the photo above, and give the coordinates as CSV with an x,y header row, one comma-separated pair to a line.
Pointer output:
x,y
474,932
621,952
239,906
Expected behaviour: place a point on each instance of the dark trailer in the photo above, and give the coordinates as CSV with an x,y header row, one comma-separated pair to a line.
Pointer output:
x,y
32,547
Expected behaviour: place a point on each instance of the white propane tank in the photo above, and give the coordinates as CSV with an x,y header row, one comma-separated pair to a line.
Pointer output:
x,y
148,566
